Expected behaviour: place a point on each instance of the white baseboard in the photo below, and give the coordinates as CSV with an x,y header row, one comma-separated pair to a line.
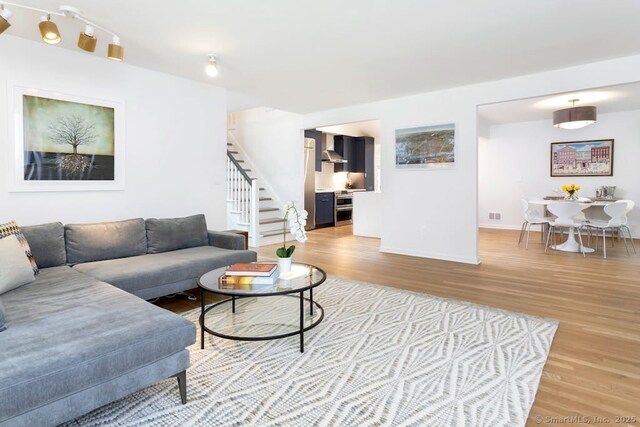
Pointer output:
x,y
533,228
432,255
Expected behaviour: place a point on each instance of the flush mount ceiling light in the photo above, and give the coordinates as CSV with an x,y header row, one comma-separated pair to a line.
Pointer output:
x,y
212,67
50,34
574,117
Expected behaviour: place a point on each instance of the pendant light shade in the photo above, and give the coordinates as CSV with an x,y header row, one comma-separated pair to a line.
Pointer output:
x,y
574,117
5,15
87,40
116,52
49,31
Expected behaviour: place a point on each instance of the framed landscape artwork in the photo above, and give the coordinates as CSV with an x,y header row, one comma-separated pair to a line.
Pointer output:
x,y
65,142
428,147
582,158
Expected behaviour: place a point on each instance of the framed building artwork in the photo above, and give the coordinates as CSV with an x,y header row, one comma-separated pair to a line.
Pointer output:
x,y
65,142
582,158
427,147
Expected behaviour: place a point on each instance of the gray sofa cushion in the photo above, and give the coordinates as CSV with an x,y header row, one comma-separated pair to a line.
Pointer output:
x,y
105,240
67,332
2,318
47,243
147,271
169,234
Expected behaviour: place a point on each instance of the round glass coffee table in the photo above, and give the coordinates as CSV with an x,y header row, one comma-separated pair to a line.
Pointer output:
x,y
262,312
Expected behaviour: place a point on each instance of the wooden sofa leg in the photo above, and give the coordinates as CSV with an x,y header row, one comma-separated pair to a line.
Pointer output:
x,y
182,385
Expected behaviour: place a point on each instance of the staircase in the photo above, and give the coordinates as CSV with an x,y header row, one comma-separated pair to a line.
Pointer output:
x,y
251,204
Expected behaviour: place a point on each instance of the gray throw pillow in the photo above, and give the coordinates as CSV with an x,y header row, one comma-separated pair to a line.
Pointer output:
x,y
105,240
169,234
47,243
2,318
15,268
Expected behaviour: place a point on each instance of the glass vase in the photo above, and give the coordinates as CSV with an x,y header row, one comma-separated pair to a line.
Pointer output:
x,y
571,196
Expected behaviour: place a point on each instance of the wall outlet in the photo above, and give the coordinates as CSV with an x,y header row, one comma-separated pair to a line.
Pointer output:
x,y
498,215
492,215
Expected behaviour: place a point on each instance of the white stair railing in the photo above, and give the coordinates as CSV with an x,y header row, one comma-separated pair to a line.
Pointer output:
x,y
242,192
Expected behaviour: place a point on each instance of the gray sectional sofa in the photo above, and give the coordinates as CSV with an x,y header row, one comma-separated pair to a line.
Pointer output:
x,y
81,335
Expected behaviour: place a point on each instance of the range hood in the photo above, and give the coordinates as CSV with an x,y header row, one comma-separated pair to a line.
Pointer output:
x,y
332,157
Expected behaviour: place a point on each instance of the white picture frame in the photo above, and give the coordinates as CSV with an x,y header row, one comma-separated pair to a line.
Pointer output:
x,y
32,169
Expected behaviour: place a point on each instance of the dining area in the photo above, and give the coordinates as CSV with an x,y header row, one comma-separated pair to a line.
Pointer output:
x,y
582,225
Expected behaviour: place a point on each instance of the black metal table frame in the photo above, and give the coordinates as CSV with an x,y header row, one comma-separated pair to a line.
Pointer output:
x,y
232,300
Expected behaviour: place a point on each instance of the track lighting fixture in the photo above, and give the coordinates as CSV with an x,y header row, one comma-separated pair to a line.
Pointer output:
x,y
5,15
116,52
49,30
212,67
87,40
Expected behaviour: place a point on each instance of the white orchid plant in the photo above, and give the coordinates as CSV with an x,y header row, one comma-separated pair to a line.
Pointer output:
x,y
295,219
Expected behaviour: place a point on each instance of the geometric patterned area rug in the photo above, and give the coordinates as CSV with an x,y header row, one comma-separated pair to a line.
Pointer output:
x,y
380,357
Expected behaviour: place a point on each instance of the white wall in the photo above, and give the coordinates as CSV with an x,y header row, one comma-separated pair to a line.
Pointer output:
x,y
273,143
514,164
435,213
174,138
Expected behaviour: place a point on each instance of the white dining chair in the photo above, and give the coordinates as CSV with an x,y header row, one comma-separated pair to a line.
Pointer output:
x,y
616,213
630,205
531,217
565,213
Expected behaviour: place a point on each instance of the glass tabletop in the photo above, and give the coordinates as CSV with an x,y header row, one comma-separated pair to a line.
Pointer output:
x,y
300,278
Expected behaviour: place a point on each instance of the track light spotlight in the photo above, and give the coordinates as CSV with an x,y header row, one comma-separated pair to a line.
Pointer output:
x,y
5,15
49,31
88,40
212,67
116,52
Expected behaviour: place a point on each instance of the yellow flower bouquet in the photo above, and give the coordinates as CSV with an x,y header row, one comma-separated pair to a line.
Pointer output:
x,y
571,191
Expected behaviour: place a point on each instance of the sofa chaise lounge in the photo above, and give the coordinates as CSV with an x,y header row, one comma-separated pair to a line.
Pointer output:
x,y
81,335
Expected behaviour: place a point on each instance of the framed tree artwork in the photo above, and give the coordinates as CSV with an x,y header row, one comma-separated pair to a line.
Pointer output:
x,y
582,158
64,142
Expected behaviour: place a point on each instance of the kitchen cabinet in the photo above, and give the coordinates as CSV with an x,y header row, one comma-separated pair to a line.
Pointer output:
x,y
324,208
364,146
345,146
317,136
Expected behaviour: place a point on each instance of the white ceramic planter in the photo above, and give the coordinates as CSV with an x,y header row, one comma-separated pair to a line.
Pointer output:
x,y
284,265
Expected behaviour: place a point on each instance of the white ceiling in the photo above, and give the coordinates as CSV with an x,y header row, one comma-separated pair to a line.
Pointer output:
x,y
610,99
304,55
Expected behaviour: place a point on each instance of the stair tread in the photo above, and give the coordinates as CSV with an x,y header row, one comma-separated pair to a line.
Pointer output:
x,y
264,199
233,152
271,220
270,233
269,209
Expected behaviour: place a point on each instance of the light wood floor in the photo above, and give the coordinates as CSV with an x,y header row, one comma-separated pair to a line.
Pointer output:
x,y
594,364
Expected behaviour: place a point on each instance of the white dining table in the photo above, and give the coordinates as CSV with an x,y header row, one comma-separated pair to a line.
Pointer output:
x,y
571,244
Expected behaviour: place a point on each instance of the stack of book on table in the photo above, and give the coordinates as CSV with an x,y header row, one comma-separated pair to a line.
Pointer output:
x,y
246,274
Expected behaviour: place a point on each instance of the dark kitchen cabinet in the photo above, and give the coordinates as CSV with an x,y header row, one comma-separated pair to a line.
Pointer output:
x,y
364,146
317,136
344,145
324,208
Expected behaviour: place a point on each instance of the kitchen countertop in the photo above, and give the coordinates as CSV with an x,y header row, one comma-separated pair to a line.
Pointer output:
x,y
329,190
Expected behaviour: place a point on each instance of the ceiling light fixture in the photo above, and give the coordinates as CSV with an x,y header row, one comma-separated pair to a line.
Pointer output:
x,y
116,52
49,30
50,34
5,15
574,117
212,67
87,40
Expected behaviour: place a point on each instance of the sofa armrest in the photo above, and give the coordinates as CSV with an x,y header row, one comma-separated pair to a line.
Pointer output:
x,y
226,240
